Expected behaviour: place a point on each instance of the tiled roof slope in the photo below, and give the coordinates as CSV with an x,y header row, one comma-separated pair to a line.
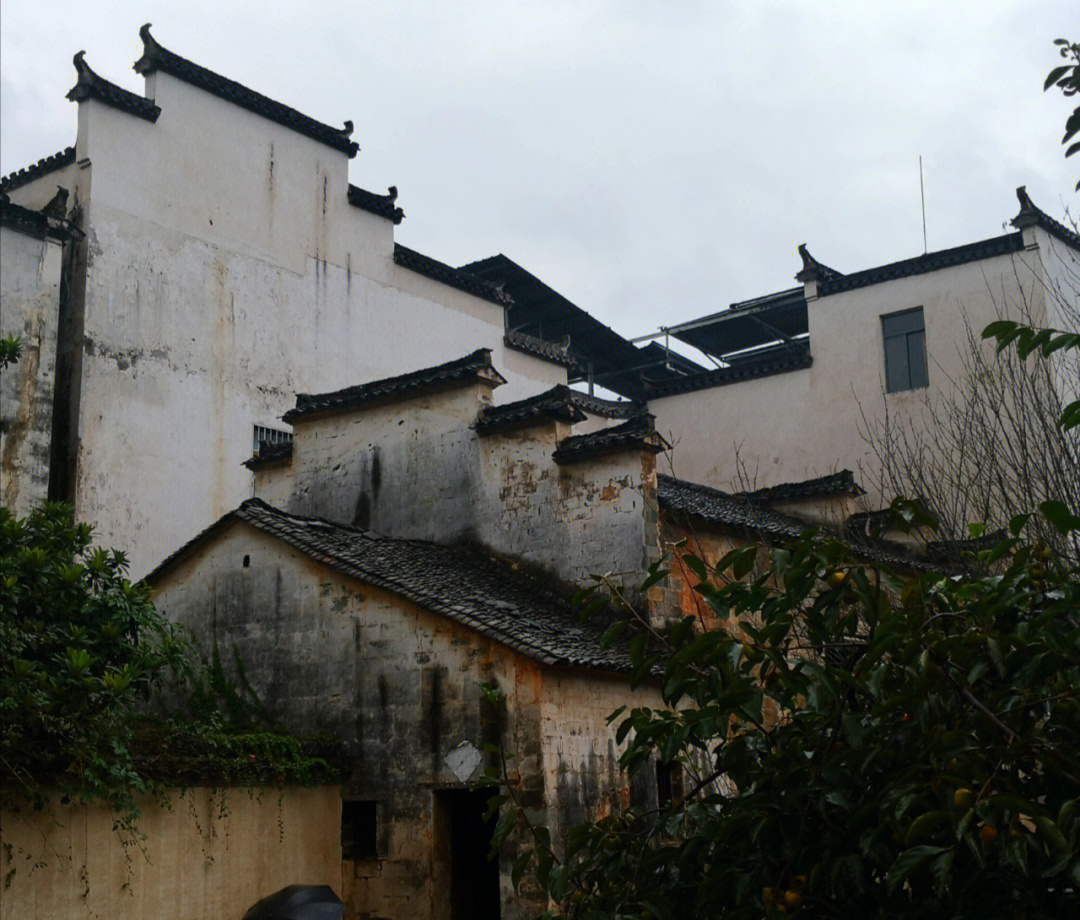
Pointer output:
x,y
931,261
467,586
795,357
155,57
475,366
33,223
382,205
91,86
841,483
716,507
636,434
713,506
42,167
540,348
270,454
1030,214
440,271
556,404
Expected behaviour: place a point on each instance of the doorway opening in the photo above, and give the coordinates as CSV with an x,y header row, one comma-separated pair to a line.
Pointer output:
x,y
471,878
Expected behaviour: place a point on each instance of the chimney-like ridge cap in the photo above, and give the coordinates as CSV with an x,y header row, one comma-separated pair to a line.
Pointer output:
x,y
1033,216
812,269
90,85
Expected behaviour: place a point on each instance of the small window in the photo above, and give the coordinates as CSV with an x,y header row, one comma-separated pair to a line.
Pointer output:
x,y
264,435
905,350
359,823
669,784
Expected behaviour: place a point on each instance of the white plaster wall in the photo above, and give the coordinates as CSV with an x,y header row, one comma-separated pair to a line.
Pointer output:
x,y
29,308
807,423
226,272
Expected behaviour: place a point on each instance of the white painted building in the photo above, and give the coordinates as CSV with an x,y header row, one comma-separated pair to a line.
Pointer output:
x,y
227,265
808,371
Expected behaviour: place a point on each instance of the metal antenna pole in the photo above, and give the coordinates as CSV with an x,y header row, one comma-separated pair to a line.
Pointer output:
x,y
922,195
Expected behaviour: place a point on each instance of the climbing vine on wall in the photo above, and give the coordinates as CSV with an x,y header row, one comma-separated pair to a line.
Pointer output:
x,y
102,699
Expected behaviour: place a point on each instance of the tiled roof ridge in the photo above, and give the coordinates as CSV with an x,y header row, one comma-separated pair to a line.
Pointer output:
x,y
795,357
554,404
381,205
540,348
446,274
1030,214
840,482
42,167
90,85
928,262
637,432
403,386
156,57
39,224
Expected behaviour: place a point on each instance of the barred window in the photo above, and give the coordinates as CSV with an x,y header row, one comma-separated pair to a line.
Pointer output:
x,y
264,435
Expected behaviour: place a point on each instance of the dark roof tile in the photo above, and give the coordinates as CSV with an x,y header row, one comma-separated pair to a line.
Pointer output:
x,y
540,348
440,271
42,167
778,360
475,366
636,434
39,224
840,483
716,507
929,262
155,57
468,586
382,205
556,404
270,455
91,86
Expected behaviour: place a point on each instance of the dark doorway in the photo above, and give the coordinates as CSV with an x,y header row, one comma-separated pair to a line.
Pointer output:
x,y
474,879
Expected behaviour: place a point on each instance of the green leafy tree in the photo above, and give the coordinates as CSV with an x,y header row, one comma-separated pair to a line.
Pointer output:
x,y
855,744
102,699
81,650
1066,77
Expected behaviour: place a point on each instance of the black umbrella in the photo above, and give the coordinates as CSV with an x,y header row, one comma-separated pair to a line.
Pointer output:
x,y
299,902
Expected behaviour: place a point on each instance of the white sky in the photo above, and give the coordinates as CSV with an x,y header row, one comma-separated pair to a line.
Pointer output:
x,y
653,161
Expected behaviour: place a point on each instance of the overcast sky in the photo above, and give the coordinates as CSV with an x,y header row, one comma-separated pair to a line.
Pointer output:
x,y
651,161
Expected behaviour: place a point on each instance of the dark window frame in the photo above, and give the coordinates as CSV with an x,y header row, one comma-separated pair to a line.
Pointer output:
x,y
904,341
359,829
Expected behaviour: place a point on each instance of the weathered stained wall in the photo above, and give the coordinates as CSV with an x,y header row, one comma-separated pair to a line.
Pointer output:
x,y
400,687
806,423
225,272
29,308
417,468
210,853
